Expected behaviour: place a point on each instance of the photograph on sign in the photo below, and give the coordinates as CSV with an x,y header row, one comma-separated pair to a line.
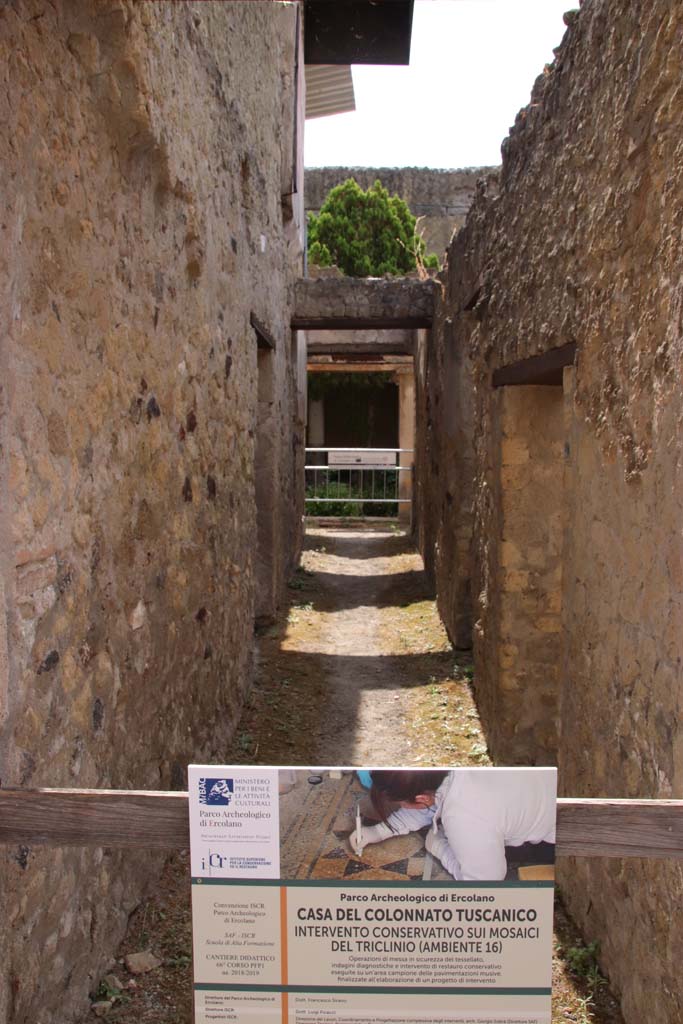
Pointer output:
x,y
378,895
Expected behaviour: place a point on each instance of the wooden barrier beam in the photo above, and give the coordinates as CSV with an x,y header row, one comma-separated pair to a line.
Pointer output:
x,y
94,817
126,818
620,828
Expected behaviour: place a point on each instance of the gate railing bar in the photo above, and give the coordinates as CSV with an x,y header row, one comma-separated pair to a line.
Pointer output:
x,y
369,476
398,451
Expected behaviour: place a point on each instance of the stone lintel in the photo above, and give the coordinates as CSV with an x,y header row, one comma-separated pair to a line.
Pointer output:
x,y
264,338
545,368
348,303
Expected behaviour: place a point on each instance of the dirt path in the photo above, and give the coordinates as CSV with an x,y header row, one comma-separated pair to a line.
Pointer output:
x,y
367,680
363,630
358,672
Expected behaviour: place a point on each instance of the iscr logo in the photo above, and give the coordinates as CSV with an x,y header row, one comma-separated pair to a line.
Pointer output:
x,y
214,860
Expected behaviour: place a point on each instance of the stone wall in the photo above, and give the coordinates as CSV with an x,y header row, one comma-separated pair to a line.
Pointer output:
x,y
444,469
580,243
440,198
142,225
521,630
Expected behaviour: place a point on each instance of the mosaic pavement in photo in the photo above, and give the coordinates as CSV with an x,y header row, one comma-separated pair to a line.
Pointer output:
x,y
315,823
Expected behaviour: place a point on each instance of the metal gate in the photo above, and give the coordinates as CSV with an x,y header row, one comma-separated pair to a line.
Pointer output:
x,y
358,482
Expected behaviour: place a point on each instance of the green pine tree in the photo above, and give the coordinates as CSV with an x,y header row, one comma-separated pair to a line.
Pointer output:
x,y
365,233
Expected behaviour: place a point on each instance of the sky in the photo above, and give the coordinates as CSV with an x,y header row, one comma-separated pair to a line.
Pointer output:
x,y
472,66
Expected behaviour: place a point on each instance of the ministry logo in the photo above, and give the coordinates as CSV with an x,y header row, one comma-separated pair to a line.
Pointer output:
x,y
216,791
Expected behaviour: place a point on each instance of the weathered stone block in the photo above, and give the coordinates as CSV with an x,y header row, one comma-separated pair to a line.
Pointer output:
x,y
363,303
142,963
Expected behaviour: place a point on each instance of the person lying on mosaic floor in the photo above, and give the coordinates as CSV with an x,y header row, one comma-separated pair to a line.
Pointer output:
x,y
472,815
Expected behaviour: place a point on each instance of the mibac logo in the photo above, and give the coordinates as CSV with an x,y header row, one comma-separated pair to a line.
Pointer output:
x,y
216,791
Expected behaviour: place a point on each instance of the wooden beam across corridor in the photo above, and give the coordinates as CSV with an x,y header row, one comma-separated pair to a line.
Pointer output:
x,y
159,820
385,365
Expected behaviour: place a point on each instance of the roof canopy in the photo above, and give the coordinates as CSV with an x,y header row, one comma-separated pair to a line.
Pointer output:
x,y
329,90
357,31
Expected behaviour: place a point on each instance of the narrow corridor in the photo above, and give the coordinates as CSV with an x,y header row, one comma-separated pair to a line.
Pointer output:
x,y
359,671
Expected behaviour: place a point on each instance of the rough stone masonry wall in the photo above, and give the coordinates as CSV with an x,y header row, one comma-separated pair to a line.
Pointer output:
x,y
583,243
444,460
142,155
525,632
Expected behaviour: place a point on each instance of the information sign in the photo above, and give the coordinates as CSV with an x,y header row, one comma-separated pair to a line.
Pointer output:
x,y
389,896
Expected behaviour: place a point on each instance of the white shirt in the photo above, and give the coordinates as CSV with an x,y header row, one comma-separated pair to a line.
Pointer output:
x,y
481,812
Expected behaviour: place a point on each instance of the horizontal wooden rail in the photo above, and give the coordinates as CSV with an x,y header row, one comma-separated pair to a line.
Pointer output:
x,y
94,817
127,818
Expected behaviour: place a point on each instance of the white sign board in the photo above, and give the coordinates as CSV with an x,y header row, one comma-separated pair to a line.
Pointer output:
x,y
361,459
234,823
305,909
